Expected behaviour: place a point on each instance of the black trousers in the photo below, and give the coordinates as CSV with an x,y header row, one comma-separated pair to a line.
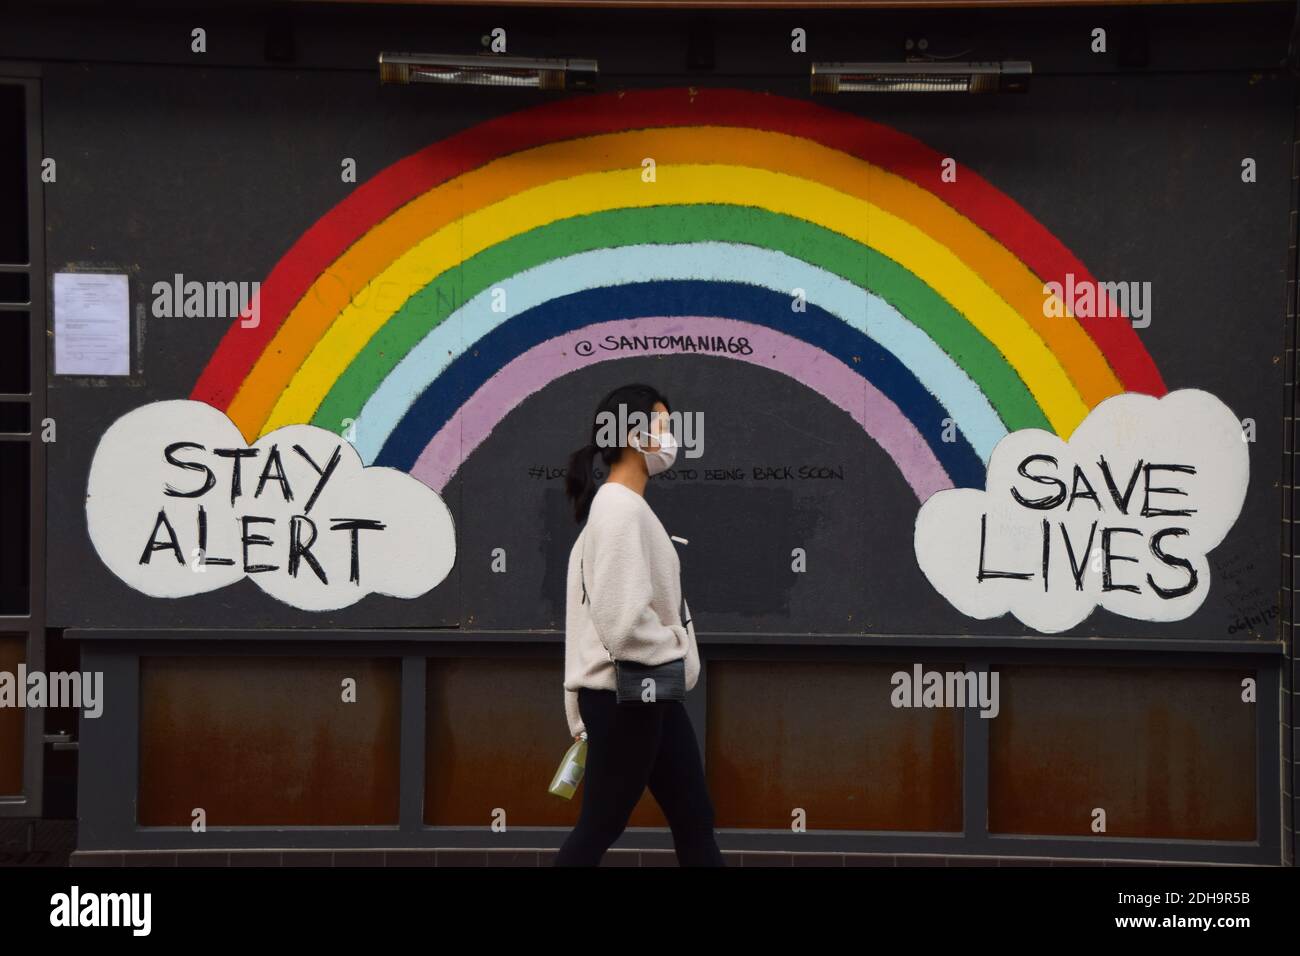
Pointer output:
x,y
630,747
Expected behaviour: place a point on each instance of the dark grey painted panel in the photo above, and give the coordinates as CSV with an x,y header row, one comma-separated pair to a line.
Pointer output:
x,y
217,172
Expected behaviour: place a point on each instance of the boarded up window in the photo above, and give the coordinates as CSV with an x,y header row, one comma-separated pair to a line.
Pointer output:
x,y
825,737
496,734
262,741
1167,753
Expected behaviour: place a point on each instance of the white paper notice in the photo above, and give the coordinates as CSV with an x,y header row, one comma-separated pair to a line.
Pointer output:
x,y
92,334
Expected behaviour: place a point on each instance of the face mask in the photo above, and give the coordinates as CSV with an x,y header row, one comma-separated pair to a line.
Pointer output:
x,y
662,458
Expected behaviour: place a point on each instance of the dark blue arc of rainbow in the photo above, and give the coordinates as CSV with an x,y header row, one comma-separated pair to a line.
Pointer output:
x,y
439,401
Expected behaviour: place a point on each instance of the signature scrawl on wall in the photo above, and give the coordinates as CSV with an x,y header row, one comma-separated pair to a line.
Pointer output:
x,y
414,315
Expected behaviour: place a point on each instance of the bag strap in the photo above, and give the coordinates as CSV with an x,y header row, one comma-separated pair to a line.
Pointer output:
x,y
583,578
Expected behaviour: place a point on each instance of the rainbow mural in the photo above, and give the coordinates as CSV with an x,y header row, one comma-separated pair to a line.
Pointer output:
x,y
924,298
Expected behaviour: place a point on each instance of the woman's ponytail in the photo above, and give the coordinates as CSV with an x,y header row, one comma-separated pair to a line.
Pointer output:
x,y
579,484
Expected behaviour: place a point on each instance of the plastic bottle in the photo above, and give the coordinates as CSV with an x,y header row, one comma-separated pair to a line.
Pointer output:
x,y
569,775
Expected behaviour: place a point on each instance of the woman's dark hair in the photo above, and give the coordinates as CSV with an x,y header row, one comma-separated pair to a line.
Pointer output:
x,y
579,483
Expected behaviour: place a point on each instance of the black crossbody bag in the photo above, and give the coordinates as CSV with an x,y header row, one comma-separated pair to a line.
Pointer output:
x,y
669,678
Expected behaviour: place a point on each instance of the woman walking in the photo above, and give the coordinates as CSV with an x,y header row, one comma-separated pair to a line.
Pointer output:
x,y
624,602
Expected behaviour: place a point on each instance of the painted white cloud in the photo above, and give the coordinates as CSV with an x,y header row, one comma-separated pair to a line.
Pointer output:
x,y
1093,521
177,503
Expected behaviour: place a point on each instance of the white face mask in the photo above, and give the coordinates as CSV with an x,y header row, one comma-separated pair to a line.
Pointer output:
x,y
661,458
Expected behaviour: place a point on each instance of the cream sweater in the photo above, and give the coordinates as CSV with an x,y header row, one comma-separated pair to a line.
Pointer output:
x,y
634,597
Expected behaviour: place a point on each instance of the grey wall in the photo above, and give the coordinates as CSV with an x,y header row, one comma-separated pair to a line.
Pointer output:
x,y
214,173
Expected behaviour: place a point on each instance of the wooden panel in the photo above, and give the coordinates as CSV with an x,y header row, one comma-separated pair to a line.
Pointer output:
x,y
13,650
496,733
825,737
1167,753
259,741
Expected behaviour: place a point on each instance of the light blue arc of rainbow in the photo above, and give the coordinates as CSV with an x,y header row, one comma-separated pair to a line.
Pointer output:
x,y
858,308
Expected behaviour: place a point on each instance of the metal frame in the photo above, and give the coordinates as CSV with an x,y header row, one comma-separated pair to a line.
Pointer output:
x,y
1287,618
29,803
109,769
